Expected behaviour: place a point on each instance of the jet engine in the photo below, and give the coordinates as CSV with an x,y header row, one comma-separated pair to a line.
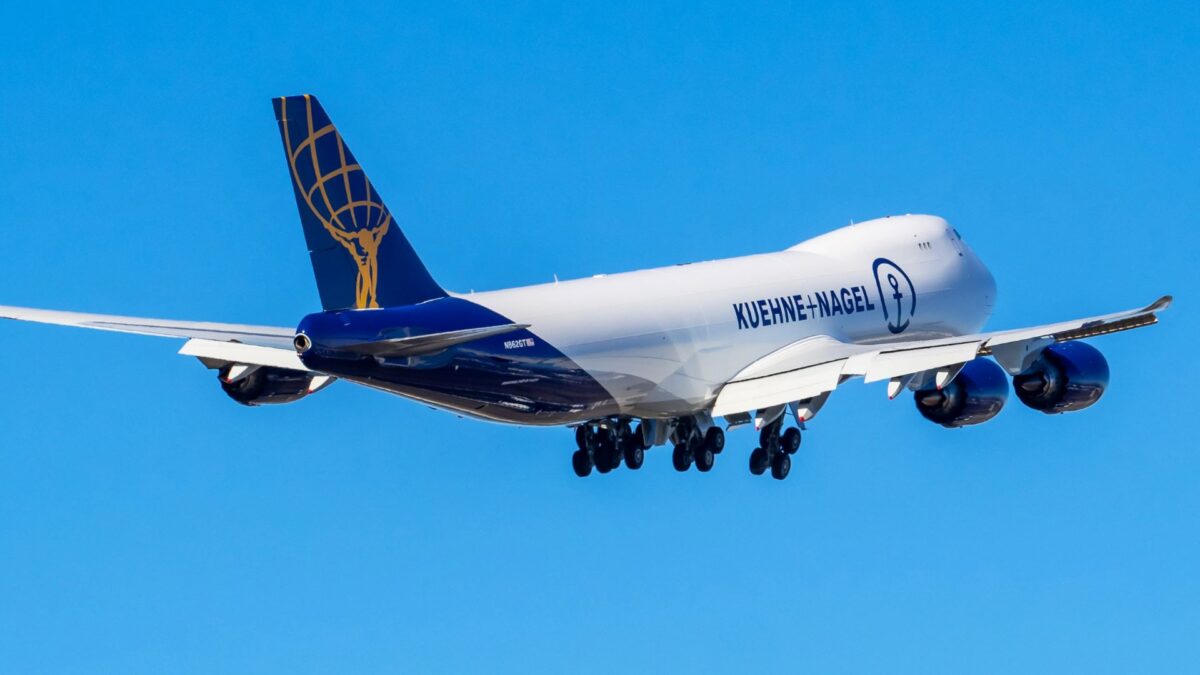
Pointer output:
x,y
265,385
1066,376
974,396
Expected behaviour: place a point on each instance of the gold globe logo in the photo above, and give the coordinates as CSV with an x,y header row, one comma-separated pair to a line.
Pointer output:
x,y
339,194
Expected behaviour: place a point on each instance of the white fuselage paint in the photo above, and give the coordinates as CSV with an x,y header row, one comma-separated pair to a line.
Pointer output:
x,y
663,341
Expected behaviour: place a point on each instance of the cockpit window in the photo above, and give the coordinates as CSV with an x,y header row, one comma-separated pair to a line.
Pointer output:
x,y
955,240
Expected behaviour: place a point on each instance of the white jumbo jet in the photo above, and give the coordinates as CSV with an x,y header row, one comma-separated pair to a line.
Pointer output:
x,y
645,358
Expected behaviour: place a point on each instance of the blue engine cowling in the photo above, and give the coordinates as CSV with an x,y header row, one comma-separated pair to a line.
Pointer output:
x,y
1067,376
266,386
974,396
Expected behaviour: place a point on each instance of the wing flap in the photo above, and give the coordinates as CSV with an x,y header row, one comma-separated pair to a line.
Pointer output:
x,y
888,364
772,390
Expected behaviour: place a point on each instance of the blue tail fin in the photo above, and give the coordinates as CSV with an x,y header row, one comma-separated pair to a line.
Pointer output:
x,y
359,255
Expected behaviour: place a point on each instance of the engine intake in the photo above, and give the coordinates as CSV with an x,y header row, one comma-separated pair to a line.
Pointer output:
x,y
1067,376
974,396
266,386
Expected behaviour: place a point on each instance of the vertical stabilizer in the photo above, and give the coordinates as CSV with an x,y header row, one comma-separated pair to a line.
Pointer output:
x,y
360,257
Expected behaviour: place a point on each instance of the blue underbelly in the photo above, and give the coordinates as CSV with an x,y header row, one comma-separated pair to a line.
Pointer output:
x,y
530,385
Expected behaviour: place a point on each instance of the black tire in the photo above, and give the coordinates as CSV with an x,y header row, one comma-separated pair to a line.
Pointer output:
x,y
582,463
780,466
604,458
790,442
758,461
681,457
606,454
634,455
704,458
581,437
715,439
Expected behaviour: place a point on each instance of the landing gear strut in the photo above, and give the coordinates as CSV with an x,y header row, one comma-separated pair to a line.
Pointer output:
x,y
775,450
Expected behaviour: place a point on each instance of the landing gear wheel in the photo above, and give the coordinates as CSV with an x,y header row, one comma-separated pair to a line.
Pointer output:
x,y
758,461
780,466
715,439
634,455
704,457
582,463
606,454
581,437
790,441
603,464
681,457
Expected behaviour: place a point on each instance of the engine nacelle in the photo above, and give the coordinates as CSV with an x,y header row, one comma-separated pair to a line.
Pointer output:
x,y
974,396
1067,376
266,386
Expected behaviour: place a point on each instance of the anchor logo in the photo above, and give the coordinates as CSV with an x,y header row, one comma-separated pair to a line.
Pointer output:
x,y
897,297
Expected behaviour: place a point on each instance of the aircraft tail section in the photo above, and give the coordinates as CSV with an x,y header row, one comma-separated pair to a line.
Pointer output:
x,y
360,257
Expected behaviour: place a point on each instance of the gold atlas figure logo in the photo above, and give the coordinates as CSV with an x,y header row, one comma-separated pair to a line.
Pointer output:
x,y
341,197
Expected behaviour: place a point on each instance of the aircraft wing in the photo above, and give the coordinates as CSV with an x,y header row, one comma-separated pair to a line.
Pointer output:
x,y
812,367
215,344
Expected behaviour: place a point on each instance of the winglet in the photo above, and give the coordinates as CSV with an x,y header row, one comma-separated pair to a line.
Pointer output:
x,y
1160,304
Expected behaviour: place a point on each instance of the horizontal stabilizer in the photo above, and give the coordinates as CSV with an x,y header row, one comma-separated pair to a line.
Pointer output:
x,y
215,354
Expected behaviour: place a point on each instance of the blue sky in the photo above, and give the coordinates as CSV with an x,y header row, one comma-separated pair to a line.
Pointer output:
x,y
148,524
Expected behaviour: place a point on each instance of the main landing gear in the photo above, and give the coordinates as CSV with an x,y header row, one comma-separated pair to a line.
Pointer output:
x,y
604,447
694,447
775,450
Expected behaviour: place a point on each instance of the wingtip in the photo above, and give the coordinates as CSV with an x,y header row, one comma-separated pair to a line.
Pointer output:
x,y
1161,303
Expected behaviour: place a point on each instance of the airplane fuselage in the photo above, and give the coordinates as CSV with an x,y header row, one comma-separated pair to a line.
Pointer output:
x,y
673,355
659,343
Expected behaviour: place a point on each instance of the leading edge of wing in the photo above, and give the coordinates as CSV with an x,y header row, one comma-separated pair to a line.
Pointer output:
x,y
1083,328
263,336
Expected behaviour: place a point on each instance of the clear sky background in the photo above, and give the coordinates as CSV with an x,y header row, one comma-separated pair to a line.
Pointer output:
x,y
148,524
